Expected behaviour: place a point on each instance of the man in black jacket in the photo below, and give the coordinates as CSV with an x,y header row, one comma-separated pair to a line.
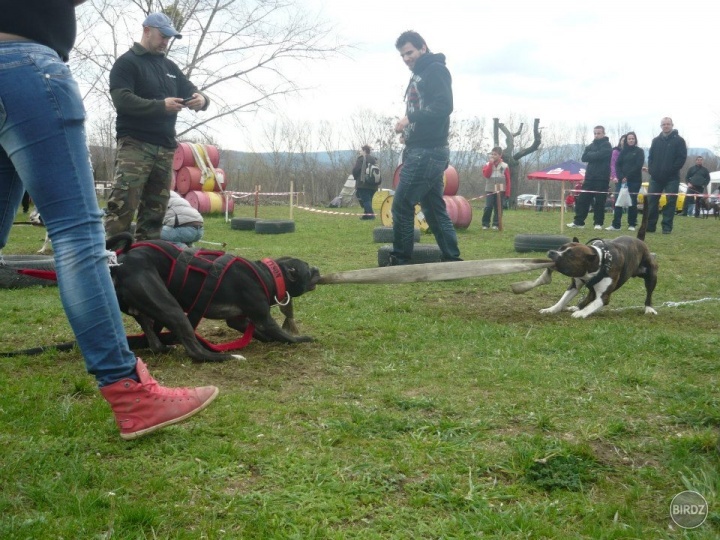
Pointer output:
x,y
667,156
697,178
597,180
425,128
148,92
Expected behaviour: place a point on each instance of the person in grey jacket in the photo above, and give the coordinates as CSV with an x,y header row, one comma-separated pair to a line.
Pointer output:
x,y
183,224
597,180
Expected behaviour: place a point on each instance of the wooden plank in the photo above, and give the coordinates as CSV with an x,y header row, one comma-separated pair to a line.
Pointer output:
x,y
446,271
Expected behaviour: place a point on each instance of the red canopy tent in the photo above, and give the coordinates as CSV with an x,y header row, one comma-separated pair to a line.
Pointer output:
x,y
567,171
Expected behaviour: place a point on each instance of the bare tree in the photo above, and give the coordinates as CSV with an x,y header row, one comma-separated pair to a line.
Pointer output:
x,y
511,156
239,52
469,146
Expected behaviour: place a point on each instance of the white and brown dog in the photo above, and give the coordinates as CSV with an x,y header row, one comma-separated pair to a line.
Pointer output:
x,y
603,266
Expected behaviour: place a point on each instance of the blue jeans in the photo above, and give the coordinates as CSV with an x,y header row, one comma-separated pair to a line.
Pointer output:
x,y
421,181
365,196
670,188
181,235
43,150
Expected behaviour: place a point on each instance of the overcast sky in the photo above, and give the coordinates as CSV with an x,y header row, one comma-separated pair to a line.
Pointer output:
x,y
569,63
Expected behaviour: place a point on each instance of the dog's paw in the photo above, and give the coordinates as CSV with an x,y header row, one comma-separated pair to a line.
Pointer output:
x,y
571,308
238,356
304,339
547,311
579,314
650,311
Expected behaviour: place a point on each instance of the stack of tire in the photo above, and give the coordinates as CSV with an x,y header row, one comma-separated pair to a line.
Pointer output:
x,y
458,208
203,193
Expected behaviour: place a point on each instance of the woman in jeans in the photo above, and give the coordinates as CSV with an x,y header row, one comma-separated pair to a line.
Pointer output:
x,y
43,150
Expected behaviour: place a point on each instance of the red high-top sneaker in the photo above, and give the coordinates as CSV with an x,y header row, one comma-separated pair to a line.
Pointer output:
x,y
141,408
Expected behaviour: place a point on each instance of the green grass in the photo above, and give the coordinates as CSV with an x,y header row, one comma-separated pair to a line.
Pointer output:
x,y
430,410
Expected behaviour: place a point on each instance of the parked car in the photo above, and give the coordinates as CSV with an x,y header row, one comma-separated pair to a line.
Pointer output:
x,y
663,200
526,199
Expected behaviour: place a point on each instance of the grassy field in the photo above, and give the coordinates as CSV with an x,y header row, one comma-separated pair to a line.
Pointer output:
x,y
431,410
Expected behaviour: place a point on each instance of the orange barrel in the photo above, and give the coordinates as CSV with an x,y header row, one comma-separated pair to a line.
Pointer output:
x,y
209,202
188,179
451,180
459,210
184,156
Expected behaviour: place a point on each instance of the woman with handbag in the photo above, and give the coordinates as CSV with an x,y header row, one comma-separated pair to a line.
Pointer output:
x,y
629,173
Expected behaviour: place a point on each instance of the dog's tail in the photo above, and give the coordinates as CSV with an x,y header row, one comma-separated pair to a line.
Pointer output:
x,y
644,222
119,242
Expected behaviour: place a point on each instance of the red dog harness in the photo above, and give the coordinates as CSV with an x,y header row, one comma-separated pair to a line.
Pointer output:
x,y
212,267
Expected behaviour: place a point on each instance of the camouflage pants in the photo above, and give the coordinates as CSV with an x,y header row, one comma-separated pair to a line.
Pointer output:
x,y
143,173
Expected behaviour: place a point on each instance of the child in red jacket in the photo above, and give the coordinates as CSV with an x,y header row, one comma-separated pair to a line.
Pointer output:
x,y
497,173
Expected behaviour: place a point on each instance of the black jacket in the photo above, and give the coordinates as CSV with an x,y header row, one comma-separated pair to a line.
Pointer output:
x,y
698,175
666,157
597,156
428,103
357,171
629,164
139,84
49,22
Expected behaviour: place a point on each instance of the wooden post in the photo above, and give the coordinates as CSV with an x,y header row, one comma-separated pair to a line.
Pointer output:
x,y
292,185
257,198
562,206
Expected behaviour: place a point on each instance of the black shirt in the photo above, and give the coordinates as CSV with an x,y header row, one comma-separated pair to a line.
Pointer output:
x,y
48,22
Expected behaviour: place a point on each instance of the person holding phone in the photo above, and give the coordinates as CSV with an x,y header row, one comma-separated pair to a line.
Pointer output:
x,y
43,149
148,91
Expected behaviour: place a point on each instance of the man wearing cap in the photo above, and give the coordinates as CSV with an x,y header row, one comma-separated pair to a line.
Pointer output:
x,y
148,90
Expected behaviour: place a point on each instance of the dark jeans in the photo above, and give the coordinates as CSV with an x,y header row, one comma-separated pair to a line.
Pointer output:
x,y
670,188
421,181
490,206
597,200
632,211
365,196
690,200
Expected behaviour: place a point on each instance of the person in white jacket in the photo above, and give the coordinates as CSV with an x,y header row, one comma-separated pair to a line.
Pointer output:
x,y
182,223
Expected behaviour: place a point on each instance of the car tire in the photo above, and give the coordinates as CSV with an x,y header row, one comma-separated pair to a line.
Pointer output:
x,y
539,242
243,224
31,262
422,253
274,226
384,235
10,279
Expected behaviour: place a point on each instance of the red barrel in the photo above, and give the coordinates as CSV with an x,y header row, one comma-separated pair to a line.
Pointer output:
x,y
451,180
184,156
459,210
209,202
189,179
186,178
